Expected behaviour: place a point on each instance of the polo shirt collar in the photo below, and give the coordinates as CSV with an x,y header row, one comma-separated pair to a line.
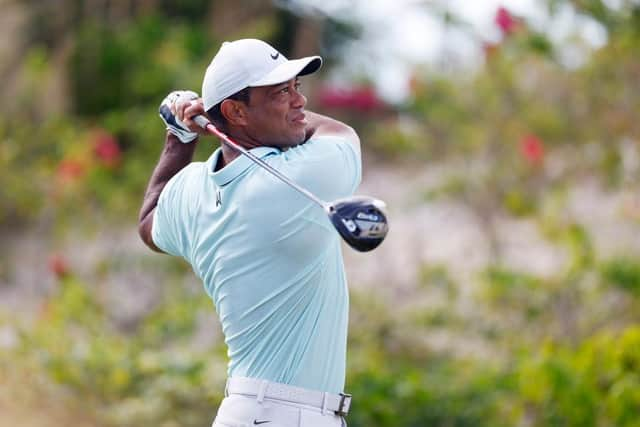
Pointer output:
x,y
237,166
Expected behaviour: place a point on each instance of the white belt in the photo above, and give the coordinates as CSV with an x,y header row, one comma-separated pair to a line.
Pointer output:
x,y
337,403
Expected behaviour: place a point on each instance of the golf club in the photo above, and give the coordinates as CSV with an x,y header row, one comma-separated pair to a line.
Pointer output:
x,y
359,219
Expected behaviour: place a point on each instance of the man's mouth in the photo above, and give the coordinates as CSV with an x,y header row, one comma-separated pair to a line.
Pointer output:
x,y
300,119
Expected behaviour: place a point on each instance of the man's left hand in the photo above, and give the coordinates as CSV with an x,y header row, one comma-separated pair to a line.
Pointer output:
x,y
176,111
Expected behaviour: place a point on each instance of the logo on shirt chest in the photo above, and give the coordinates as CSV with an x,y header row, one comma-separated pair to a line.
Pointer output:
x,y
218,198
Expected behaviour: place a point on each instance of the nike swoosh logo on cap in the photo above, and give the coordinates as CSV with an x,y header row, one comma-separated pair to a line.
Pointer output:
x,y
275,56
256,422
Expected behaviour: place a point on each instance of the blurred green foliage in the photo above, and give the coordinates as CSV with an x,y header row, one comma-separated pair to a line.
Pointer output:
x,y
595,384
623,273
560,353
150,376
121,68
153,374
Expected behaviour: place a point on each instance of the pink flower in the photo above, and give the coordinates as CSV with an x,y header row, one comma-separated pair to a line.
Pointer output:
x,y
106,149
362,99
505,21
532,149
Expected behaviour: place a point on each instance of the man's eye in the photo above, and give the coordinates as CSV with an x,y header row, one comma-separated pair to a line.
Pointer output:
x,y
284,90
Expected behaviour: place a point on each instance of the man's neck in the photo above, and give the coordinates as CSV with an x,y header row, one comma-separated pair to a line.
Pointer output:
x,y
227,155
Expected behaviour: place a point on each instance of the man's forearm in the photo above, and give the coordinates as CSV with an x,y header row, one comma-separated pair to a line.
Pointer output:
x,y
174,157
320,125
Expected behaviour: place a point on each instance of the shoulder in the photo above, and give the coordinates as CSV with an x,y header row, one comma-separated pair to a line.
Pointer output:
x,y
187,176
318,148
328,166
193,169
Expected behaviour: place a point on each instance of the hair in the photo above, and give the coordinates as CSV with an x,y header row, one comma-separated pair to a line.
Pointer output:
x,y
215,112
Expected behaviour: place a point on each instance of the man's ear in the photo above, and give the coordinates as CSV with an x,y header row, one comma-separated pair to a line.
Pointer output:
x,y
234,111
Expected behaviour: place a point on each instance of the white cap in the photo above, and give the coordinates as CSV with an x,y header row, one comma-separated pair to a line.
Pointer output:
x,y
249,63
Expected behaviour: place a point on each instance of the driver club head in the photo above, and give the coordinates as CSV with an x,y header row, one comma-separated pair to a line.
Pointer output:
x,y
360,220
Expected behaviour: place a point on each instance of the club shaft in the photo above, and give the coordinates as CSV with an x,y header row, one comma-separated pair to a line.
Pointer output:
x,y
205,124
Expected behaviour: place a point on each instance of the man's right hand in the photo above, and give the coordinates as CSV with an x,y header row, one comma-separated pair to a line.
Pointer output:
x,y
177,102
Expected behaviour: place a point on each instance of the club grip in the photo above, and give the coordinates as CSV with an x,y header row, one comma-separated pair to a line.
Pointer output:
x,y
201,121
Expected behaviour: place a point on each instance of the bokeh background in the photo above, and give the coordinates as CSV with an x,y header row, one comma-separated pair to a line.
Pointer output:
x,y
505,138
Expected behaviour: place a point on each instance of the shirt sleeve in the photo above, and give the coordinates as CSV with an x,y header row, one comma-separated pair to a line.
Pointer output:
x,y
328,166
168,231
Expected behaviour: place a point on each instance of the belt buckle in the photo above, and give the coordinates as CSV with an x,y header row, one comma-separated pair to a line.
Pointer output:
x,y
345,404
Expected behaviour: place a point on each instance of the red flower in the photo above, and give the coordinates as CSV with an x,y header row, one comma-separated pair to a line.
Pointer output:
x,y
362,99
505,20
532,149
106,149
70,170
58,266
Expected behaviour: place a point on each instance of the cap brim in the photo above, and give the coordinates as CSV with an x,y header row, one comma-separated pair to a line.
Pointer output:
x,y
290,69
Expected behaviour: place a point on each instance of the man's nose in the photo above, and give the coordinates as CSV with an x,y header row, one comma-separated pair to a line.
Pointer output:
x,y
299,100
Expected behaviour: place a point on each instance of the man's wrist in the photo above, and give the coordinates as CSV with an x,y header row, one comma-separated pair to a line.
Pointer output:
x,y
184,137
173,140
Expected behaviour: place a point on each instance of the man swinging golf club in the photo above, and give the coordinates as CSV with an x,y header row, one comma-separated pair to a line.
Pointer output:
x,y
268,256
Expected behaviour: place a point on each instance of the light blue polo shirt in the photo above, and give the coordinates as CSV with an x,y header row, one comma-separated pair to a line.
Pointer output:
x,y
268,257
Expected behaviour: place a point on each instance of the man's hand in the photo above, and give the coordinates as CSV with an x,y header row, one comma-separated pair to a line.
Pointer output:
x,y
177,109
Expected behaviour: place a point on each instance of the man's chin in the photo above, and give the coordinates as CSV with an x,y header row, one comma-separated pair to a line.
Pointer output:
x,y
292,140
297,140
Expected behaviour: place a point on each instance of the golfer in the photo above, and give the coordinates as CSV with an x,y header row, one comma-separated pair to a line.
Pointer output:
x,y
268,257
